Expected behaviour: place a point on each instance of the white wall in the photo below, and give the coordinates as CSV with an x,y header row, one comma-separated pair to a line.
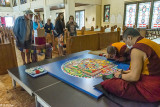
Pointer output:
x,y
8,11
97,2
90,10
53,14
90,13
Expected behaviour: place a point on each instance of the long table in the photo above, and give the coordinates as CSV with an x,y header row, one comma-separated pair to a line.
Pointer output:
x,y
49,91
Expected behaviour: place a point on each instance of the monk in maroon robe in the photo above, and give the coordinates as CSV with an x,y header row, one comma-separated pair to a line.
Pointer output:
x,y
142,81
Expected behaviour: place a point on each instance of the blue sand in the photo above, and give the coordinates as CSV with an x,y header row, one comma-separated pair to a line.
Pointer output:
x,y
83,84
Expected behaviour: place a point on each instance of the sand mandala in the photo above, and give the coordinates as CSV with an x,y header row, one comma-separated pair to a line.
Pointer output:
x,y
89,68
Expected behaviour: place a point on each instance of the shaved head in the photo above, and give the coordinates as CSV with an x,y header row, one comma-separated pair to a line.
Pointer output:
x,y
111,50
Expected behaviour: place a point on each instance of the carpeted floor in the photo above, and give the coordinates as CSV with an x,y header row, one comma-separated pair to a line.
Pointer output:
x,y
10,97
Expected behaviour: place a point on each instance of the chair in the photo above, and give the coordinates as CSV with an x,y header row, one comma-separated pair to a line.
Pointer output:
x,y
112,29
92,28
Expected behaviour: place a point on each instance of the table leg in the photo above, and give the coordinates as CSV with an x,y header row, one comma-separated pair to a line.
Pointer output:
x,y
37,103
40,102
13,83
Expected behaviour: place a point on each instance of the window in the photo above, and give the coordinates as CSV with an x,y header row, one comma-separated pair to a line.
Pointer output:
x,y
106,13
6,21
143,14
130,15
80,18
156,15
9,21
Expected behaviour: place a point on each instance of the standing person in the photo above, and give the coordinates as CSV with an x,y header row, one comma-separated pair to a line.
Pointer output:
x,y
49,26
22,29
59,24
36,25
71,26
60,27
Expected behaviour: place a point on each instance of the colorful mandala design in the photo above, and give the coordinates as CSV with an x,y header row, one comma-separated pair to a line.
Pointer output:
x,y
143,14
144,8
131,10
158,18
89,68
143,21
130,15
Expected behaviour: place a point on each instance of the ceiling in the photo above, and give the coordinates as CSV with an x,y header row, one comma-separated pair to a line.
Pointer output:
x,y
61,6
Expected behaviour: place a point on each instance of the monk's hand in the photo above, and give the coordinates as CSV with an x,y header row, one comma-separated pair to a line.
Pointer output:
x,y
119,70
108,56
117,74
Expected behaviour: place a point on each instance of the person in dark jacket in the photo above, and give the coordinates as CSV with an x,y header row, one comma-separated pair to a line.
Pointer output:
x,y
59,24
60,28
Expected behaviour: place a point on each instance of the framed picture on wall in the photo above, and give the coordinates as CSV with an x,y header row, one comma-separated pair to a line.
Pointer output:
x,y
106,16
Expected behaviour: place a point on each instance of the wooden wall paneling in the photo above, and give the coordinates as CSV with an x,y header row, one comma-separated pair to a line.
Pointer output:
x,y
92,42
83,42
68,46
0,38
112,29
108,38
75,44
7,56
2,66
15,64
